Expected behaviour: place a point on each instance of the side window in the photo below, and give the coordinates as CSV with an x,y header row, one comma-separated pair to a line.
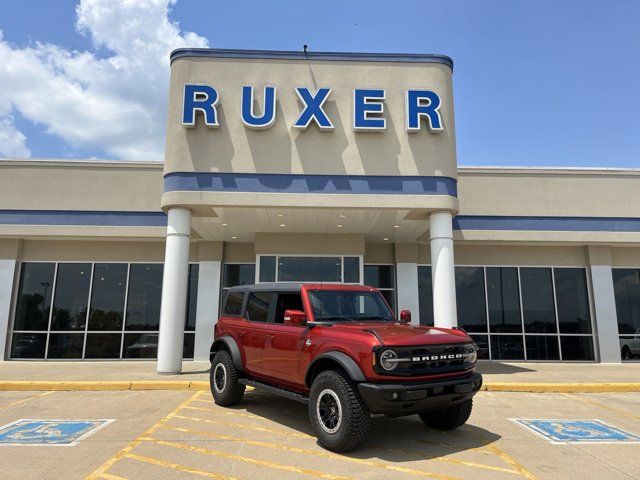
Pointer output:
x,y
258,306
233,303
287,301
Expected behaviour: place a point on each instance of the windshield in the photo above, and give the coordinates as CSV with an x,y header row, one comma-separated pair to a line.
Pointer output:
x,y
349,305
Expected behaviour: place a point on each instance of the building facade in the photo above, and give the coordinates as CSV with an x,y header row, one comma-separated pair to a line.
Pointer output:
x,y
285,166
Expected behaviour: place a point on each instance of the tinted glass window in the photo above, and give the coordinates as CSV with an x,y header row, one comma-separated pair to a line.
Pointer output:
x,y
145,294
34,297
65,345
351,270
233,303
626,284
192,298
425,295
577,348
537,300
267,269
507,347
140,345
107,296
483,346
309,269
71,296
245,274
379,276
287,301
345,305
472,315
28,345
103,345
504,300
572,300
188,345
258,306
542,347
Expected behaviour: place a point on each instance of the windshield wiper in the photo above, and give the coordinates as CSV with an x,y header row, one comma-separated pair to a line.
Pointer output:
x,y
373,317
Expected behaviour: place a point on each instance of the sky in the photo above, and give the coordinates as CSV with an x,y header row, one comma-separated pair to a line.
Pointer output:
x,y
536,83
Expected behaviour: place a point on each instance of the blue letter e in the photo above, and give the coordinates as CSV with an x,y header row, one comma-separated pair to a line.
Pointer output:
x,y
423,103
200,98
368,108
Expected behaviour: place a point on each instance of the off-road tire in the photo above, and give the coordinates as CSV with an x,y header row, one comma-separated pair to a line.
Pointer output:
x,y
355,419
626,353
448,418
231,392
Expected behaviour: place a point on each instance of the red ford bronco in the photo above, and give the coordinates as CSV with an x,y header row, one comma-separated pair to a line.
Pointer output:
x,y
340,349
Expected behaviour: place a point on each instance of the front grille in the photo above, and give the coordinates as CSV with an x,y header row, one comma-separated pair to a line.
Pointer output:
x,y
428,360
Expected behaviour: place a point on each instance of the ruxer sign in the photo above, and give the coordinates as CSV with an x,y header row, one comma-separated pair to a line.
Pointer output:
x,y
368,108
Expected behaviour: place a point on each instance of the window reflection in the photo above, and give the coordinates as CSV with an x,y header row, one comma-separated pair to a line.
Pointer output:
x,y
626,284
34,296
504,300
144,297
70,301
107,296
425,295
472,314
537,300
309,269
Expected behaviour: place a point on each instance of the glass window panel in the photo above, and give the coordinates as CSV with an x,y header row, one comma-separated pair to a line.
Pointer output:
x,y
537,300
240,274
309,269
572,300
390,297
379,276
107,296
145,294
287,301
28,345
630,347
577,348
504,300
507,347
425,295
71,296
472,314
626,285
140,345
188,345
542,347
192,298
351,270
103,345
267,269
65,345
233,303
34,297
258,306
483,346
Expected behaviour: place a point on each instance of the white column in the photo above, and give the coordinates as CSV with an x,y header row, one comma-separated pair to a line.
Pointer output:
x,y
207,310
604,303
7,272
174,291
442,270
407,288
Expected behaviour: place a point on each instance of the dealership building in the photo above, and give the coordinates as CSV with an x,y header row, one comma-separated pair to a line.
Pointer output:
x,y
318,167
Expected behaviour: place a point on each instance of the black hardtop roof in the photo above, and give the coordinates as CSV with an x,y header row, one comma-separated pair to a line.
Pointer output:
x,y
269,287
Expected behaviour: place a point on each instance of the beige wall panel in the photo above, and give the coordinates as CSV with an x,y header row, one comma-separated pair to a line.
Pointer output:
x,y
9,248
599,254
581,238
209,251
519,255
79,231
424,253
110,186
281,149
239,253
549,192
407,252
64,250
379,253
626,257
310,244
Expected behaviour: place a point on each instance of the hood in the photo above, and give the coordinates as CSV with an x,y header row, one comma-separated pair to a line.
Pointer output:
x,y
395,334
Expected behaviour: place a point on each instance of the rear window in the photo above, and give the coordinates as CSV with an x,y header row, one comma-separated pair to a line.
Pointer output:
x,y
233,303
258,306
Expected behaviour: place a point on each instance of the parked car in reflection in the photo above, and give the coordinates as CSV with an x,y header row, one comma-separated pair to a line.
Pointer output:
x,y
630,346
145,347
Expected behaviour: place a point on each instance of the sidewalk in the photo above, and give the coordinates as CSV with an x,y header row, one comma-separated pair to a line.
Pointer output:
x,y
498,376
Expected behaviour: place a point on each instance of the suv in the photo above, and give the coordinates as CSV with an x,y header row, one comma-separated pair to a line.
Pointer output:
x,y
340,349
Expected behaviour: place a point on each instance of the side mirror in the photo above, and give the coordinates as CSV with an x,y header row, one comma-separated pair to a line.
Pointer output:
x,y
405,317
294,318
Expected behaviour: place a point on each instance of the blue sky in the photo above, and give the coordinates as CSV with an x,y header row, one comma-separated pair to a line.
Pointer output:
x,y
551,83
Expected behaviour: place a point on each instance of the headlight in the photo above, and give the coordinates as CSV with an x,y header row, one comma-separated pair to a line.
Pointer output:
x,y
389,360
470,354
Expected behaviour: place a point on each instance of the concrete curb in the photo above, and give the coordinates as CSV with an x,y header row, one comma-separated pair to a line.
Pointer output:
x,y
86,386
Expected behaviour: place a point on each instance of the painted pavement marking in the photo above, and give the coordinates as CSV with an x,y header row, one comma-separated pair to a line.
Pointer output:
x,y
44,433
560,431
23,400
601,405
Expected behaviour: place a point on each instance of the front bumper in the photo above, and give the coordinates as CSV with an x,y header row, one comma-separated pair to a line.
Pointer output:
x,y
410,398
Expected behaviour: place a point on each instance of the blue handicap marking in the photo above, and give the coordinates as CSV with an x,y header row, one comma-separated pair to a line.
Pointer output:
x,y
49,432
577,431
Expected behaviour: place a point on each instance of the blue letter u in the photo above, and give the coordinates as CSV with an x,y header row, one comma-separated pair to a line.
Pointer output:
x,y
268,117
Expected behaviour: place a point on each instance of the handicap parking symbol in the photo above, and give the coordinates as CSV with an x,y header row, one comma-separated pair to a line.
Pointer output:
x,y
577,431
49,432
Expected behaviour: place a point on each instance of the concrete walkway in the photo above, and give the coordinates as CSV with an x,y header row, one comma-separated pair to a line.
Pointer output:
x,y
498,376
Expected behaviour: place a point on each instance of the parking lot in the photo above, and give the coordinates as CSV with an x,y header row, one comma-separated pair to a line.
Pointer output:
x,y
182,434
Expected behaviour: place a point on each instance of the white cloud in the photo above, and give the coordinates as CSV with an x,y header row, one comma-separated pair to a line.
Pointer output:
x,y
115,104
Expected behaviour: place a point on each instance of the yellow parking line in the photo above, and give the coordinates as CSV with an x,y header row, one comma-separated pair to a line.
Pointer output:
x,y
18,402
110,476
113,460
279,431
601,405
177,466
319,453
511,461
262,463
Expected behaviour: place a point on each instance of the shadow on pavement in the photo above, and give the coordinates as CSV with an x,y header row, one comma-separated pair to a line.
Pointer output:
x,y
498,368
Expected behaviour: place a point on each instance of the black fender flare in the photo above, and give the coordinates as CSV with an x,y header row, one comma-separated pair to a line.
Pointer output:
x,y
227,342
342,359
